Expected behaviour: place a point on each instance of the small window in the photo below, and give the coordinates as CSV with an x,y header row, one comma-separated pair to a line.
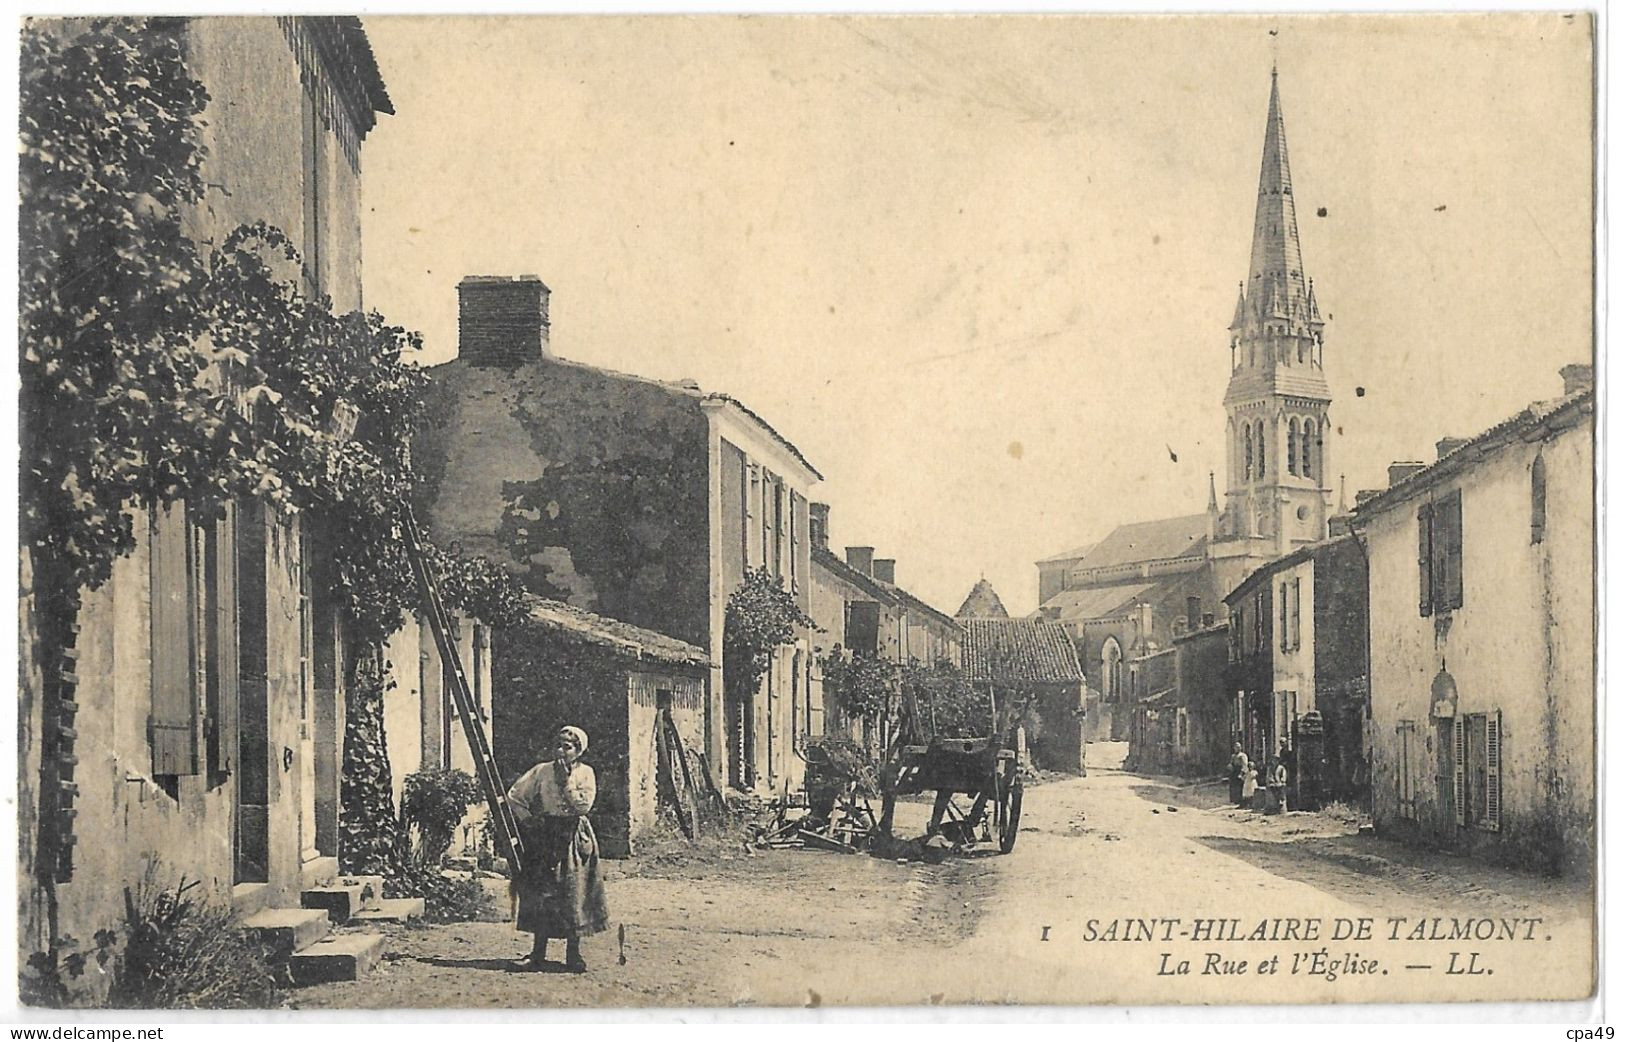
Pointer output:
x,y
1309,446
1292,446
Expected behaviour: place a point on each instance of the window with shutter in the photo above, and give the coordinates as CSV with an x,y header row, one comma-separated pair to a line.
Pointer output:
x,y
1424,556
1458,732
1282,621
1447,518
1297,613
1492,771
173,725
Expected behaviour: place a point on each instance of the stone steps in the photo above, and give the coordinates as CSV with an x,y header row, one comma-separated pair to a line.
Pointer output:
x,y
302,939
343,958
391,910
285,931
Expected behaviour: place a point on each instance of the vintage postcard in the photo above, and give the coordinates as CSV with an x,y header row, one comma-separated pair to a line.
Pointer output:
x,y
526,512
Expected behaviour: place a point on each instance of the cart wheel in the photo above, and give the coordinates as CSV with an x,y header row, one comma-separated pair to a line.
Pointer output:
x,y
1010,820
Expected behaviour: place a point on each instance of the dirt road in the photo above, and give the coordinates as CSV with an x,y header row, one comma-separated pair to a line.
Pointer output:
x,y
807,928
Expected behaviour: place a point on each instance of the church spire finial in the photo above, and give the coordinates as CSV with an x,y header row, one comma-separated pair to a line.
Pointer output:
x,y
1277,256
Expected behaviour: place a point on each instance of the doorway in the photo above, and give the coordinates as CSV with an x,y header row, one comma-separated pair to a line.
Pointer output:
x,y
251,823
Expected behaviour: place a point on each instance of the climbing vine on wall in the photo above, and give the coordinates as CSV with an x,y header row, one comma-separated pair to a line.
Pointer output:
x,y
761,616
370,840
152,373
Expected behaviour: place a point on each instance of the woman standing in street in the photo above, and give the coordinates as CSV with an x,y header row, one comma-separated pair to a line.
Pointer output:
x,y
1238,774
560,890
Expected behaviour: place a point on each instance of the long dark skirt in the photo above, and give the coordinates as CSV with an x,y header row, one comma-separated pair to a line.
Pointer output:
x,y
560,888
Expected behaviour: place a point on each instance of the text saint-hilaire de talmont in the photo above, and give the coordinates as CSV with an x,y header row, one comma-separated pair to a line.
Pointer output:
x,y
1393,927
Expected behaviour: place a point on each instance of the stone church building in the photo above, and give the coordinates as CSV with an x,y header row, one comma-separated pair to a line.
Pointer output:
x,y
1148,582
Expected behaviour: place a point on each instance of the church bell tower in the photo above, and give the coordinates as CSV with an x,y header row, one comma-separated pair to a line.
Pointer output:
x,y
1277,491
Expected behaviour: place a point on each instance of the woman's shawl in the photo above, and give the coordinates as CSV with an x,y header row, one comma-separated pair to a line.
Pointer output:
x,y
538,792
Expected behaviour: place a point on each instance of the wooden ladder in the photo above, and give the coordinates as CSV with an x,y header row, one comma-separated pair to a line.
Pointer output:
x,y
503,825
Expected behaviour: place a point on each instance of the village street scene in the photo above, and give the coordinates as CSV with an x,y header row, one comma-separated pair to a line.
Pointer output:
x,y
613,512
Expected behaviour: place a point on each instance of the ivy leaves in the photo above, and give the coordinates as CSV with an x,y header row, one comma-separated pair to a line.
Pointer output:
x,y
151,374
110,292
761,616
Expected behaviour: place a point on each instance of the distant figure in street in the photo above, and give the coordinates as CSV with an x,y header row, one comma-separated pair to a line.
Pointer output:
x,y
1249,784
559,889
1275,779
1238,774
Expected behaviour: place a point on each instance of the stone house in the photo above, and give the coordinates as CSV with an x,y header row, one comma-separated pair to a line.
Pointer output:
x,y
1152,709
1483,639
1016,660
860,609
1202,731
1181,722
1314,687
196,729
635,499
620,683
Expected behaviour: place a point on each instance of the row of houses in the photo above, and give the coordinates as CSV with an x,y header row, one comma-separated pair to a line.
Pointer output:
x,y
209,675
1432,660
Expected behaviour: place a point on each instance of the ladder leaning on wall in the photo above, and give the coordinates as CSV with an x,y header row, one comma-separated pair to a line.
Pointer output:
x,y
504,828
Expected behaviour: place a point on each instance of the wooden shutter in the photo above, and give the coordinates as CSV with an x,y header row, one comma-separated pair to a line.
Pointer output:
x,y
1492,771
1282,614
221,658
1297,612
1447,515
1424,557
1406,779
1458,730
172,727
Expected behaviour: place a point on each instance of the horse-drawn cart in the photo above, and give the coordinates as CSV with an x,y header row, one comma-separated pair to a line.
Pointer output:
x,y
983,770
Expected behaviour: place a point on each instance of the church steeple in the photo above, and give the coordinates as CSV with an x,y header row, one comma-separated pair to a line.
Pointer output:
x,y
1277,493
1277,261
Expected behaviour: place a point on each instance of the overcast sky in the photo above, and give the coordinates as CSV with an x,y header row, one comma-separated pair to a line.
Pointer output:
x,y
979,269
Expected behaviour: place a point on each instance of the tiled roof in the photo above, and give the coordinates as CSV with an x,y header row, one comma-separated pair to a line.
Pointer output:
x,y
345,46
1020,650
717,396
1475,448
911,601
1149,541
1096,603
622,637
824,558
982,603
1070,555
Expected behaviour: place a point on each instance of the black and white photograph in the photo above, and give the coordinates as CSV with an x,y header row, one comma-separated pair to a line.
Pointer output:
x,y
603,511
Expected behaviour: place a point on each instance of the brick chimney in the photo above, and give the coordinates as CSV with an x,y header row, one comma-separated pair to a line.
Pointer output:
x,y
1576,377
861,558
502,320
1398,472
818,524
886,570
1446,446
